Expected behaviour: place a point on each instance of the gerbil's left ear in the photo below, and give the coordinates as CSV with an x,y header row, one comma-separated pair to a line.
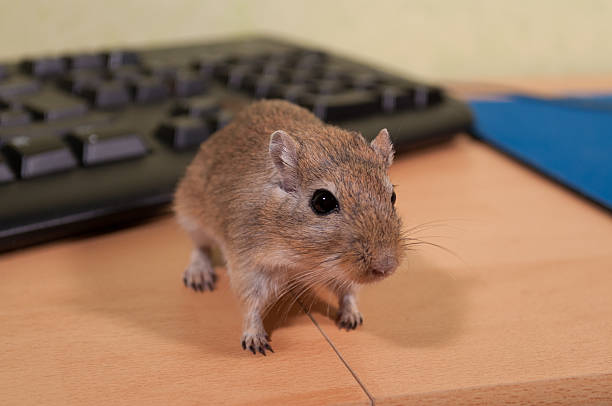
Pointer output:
x,y
283,151
382,144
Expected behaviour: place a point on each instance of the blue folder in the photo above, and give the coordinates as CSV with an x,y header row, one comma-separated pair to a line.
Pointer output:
x,y
568,139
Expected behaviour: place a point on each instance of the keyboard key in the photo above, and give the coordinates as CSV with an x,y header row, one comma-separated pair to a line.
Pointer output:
x,y
187,84
427,96
301,76
248,58
42,67
77,81
292,92
14,117
32,157
349,104
219,120
281,59
18,85
365,80
394,98
53,105
163,69
111,94
85,61
197,107
335,73
401,97
210,65
274,68
328,86
183,132
149,90
6,174
115,59
310,59
57,128
234,75
127,74
261,86
96,146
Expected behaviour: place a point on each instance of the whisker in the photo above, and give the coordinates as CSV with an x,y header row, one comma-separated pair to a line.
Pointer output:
x,y
417,241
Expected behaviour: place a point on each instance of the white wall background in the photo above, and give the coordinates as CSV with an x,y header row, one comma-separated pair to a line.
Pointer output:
x,y
436,39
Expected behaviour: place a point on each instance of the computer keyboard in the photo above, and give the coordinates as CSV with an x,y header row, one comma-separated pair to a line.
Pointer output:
x,y
101,138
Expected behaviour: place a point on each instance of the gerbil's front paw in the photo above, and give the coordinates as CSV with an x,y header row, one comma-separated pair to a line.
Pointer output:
x,y
349,319
200,276
256,342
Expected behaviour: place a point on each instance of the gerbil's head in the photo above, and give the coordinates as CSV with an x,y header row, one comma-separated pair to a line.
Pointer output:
x,y
338,203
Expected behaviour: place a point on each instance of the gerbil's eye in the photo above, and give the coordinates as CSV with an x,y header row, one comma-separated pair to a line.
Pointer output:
x,y
323,202
393,198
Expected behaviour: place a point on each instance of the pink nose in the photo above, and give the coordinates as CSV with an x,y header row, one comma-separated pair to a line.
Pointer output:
x,y
384,265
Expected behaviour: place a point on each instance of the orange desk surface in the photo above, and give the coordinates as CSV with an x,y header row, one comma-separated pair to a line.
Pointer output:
x,y
520,312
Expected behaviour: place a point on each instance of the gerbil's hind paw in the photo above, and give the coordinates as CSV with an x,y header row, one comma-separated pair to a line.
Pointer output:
x,y
200,276
349,319
256,343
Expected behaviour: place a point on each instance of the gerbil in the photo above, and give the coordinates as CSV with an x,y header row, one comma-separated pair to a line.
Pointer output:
x,y
289,200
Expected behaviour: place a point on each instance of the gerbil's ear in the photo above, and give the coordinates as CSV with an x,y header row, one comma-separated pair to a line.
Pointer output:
x,y
382,144
283,151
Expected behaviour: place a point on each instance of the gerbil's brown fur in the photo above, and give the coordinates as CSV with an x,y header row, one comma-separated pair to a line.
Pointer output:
x,y
249,191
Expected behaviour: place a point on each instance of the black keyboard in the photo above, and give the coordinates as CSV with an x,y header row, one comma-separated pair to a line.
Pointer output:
x,y
96,139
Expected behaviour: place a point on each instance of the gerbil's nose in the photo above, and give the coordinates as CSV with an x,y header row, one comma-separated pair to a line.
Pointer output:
x,y
384,266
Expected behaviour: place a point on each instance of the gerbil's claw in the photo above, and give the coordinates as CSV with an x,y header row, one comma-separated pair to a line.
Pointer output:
x,y
200,276
256,342
349,319
214,278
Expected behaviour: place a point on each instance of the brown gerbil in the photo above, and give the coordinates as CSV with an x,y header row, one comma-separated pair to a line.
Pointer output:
x,y
290,200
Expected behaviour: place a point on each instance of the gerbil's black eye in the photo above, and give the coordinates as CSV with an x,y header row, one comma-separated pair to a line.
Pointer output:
x,y
323,202
393,198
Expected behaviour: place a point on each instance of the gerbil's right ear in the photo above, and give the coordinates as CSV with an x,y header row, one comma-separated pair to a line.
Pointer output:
x,y
382,144
283,151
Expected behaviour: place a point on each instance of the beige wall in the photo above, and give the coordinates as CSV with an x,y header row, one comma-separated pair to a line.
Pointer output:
x,y
468,39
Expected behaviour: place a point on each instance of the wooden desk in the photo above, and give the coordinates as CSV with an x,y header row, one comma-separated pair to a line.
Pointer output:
x,y
521,313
